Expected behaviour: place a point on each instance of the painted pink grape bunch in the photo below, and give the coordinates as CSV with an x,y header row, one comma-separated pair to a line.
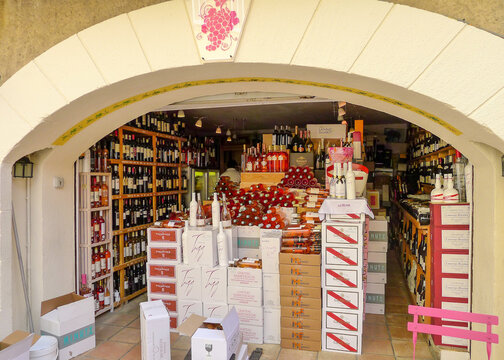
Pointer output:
x,y
218,23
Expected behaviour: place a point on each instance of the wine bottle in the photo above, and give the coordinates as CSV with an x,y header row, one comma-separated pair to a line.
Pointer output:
x,y
450,195
222,246
200,214
185,245
332,184
436,195
215,212
340,183
309,143
225,216
193,208
295,140
350,182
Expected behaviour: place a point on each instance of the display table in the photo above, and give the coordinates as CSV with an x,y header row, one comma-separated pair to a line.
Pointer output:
x,y
356,207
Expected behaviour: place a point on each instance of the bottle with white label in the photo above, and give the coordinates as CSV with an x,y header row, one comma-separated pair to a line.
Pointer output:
x,y
350,182
340,184
222,246
436,195
332,184
185,245
200,214
450,194
215,211
193,208
225,215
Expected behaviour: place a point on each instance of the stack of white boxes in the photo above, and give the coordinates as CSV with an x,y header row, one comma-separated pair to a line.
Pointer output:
x,y
271,243
377,265
202,245
163,256
342,285
245,294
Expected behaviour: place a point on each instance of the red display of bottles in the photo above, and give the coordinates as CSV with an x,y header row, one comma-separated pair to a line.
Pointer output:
x,y
256,160
300,178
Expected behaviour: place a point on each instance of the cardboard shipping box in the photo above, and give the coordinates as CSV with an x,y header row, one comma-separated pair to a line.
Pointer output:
x,y
16,346
245,277
249,315
70,318
271,290
214,284
300,270
299,259
188,282
155,331
272,325
240,295
304,281
289,322
302,313
202,244
309,303
300,344
300,291
271,244
301,334
215,310
212,343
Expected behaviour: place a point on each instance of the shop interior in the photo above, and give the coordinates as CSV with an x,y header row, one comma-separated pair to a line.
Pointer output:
x,y
147,170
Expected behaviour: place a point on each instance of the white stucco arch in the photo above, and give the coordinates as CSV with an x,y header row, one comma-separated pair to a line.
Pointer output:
x,y
435,72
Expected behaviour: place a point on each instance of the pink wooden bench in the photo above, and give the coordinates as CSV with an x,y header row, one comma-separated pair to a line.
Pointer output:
x,y
416,327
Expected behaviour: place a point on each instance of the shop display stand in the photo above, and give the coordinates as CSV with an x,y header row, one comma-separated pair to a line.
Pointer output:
x,y
154,164
85,235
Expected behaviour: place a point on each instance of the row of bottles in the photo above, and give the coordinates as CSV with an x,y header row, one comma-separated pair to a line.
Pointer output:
x,y
299,141
98,227
197,216
137,147
161,122
136,179
101,294
423,142
200,152
135,246
342,185
165,205
135,278
255,159
137,212
167,179
101,262
99,192
98,156
167,151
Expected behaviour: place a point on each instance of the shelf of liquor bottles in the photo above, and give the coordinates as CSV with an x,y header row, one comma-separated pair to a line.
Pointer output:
x,y
130,263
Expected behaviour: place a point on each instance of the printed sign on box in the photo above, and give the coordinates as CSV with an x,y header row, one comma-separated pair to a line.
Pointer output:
x,y
214,284
189,282
202,247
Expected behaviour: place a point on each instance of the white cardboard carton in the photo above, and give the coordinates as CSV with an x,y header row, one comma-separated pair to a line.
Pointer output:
x,y
272,325
239,295
202,246
188,307
244,277
271,290
249,241
213,344
249,315
188,282
214,284
215,310
155,331
252,334
242,355
16,346
271,244
169,301
70,318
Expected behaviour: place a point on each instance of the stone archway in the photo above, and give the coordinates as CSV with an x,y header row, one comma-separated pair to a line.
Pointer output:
x,y
95,81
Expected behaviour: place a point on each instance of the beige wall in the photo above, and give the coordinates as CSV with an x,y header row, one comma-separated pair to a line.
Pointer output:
x,y
28,28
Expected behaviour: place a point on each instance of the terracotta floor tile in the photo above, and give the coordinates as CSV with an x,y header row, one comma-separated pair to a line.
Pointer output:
x,y
119,319
135,324
379,347
374,319
134,354
398,319
375,331
328,355
110,350
178,354
399,332
396,299
375,357
182,343
290,354
105,332
270,351
127,335
405,348
396,309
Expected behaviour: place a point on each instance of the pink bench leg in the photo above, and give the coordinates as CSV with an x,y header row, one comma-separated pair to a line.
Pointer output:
x,y
489,344
415,335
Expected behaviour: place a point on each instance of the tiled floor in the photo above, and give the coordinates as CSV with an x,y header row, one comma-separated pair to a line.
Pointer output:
x,y
385,336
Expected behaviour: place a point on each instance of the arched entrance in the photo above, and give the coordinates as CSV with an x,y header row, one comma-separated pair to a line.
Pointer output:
x,y
72,95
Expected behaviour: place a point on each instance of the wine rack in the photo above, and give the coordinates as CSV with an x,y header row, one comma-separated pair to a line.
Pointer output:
x,y
121,265
87,245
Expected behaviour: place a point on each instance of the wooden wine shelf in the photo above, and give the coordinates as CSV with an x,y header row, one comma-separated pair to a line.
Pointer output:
x,y
131,229
103,277
150,194
134,295
145,163
152,133
104,310
98,173
101,243
448,150
131,262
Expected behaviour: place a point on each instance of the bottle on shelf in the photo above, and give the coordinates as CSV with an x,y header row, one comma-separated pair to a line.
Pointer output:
x,y
340,183
332,184
84,288
437,195
450,194
106,300
309,143
459,176
295,141
193,209
357,145
215,212
222,246
185,245
350,182
200,214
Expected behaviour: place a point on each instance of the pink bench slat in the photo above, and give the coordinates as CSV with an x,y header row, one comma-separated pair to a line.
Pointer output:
x,y
453,315
453,332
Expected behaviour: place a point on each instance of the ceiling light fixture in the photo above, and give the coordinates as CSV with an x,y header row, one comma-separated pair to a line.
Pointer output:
x,y
199,122
341,103
219,130
228,132
181,114
234,136
229,139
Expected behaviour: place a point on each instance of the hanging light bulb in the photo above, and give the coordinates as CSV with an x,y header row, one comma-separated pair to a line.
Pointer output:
x,y
219,130
341,112
181,114
234,136
228,132
229,139
341,103
199,123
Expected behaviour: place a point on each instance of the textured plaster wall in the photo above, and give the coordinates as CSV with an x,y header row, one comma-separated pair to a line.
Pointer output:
x,y
28,28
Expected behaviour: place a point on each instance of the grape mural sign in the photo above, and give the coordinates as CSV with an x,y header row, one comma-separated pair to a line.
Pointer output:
x,y
217,25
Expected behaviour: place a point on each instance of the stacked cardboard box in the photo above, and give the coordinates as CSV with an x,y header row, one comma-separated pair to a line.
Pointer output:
x,y
245,294
271,243
300,300
377,265
163,256
342,285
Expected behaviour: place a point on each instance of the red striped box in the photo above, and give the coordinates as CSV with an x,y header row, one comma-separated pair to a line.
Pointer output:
x,y
340,341
342,321
167,254
342,277
342,256
164,236
336,299
162,287
159,269
338,234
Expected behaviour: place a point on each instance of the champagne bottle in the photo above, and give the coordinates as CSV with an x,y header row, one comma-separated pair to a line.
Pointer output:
x,y
340,184
309,142
350,182
332,184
